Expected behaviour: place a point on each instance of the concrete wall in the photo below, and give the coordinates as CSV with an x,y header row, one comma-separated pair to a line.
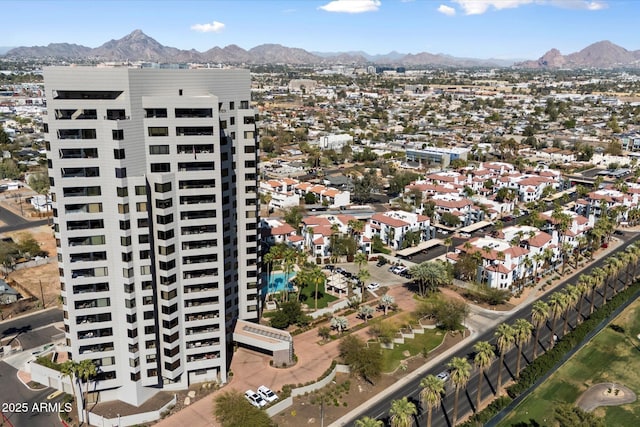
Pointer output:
x,y
130,420
286,403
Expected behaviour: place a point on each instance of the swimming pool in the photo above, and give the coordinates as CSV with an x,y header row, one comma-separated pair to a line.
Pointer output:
x,y
279,282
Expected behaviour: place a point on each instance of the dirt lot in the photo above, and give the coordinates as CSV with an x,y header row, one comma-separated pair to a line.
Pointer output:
x,y
27,281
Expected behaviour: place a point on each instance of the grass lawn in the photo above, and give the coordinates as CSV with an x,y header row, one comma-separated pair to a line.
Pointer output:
x,y
612,356
429,340
307,297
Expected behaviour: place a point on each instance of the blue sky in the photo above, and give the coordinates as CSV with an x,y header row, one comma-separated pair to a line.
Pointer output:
x,y
464,28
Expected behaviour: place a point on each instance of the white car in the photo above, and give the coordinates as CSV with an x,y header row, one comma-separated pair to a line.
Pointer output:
x,y
444,376
267,394
373,286
255,399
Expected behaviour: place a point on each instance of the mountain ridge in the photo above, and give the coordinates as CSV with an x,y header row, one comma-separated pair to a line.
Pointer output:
x,y
137,46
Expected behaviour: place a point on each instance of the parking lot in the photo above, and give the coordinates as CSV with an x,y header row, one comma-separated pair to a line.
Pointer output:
x,y
380,275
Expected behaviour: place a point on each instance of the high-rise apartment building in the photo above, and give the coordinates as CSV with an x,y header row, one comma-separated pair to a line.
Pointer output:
x,y
154,180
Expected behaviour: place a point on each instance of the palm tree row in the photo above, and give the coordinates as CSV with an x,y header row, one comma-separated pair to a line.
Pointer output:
x,y
559,305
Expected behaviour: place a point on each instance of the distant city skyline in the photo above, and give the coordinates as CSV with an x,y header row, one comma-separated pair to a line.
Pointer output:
x,y
505,29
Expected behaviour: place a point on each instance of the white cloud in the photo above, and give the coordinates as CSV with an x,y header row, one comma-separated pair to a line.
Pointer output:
x,y
580,4
478,7
446,10
351,6
213,27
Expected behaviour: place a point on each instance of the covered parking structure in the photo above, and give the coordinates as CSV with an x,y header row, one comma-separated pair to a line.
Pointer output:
x,y
403,253
265,339
475,226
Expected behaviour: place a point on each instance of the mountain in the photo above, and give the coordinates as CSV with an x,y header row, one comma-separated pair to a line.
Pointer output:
x,y
603,54
138,46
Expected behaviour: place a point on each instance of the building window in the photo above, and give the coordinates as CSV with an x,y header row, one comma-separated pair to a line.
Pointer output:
x,y
141,190
244,105
164,219
158,131
160,167
141,206
118,153
194,130
152,113
121,172
232,105
164,204
122,191
123,208
143,238
117,134
162,188
193,113
158,149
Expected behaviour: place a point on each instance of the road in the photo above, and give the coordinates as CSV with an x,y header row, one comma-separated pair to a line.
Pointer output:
x,y
32,330
16,222
17,401
467,396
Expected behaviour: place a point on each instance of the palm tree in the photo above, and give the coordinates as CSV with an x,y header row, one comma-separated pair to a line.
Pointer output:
x,y
364,312
505,335
431,394
363,276
368,422
317,278
572,295
539,316
598,276
460,374
70,369
538,257
556,304
612,265
340,323
483,359
447,243
402,412
522,329
386,301
360,259
582,286
87,370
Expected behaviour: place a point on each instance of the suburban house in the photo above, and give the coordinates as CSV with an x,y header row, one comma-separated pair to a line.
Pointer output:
x,y
392,227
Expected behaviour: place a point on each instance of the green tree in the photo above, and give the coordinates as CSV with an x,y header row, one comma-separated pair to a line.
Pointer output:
x,y
39,182
293,216
402,412
430,275
232,409
505,335
363,360
483,359
368,422
539,316
460,374
70,369
86,370
432,389
522,335
4,138
568,415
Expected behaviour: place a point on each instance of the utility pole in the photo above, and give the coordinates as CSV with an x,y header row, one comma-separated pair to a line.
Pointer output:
x,y
42,294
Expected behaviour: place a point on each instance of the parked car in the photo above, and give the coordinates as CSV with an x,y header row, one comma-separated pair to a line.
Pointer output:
x,y
267,394
373,286
618,233
444,376
255,399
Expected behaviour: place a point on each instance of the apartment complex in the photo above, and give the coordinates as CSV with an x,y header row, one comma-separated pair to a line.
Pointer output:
x,y
155,193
